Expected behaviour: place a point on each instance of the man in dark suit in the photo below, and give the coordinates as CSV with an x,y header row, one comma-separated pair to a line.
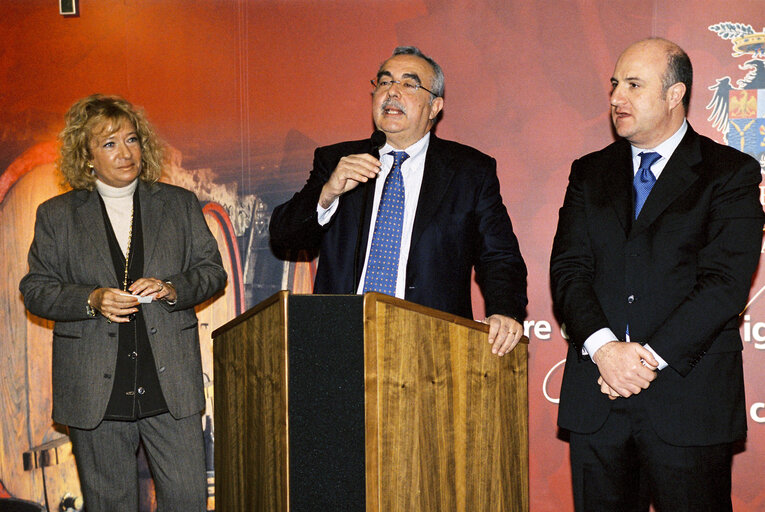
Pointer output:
x,y
453,219
650,291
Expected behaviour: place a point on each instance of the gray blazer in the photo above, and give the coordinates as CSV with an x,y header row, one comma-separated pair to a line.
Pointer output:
x,y
69,257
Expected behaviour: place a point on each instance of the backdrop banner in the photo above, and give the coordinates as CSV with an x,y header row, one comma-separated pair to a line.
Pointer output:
x,y
242,92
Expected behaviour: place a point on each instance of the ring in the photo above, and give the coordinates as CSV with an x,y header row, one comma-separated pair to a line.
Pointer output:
x,y
108,318
161,286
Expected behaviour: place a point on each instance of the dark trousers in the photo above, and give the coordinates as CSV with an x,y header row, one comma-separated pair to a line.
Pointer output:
x,y
625,466
107,464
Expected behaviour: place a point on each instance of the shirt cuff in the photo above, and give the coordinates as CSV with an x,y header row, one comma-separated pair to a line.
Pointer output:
x,y
662,363
325,214
597,340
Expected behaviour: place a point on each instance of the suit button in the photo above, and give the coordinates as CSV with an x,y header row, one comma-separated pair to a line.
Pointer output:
x,y
141,390
133,355
630,299
153,330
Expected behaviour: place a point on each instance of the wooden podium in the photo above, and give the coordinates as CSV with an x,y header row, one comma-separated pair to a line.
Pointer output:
x,y
344,402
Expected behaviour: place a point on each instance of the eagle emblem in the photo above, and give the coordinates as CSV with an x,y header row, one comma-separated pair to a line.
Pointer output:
x,y
738,111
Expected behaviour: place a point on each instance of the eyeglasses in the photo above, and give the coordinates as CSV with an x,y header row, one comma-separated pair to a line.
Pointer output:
x,y
408,85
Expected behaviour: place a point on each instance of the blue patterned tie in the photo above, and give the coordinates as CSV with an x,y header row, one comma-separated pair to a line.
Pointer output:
x,y
382,266
644,179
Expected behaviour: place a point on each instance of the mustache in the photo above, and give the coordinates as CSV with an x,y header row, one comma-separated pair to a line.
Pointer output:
x,y
393,103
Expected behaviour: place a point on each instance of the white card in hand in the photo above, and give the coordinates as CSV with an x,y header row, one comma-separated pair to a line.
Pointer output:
x,y
141,300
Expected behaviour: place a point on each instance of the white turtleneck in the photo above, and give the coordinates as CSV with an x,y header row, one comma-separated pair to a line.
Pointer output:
x,y
119,207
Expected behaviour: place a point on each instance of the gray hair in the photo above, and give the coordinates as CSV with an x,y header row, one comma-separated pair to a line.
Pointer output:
x,y
438,75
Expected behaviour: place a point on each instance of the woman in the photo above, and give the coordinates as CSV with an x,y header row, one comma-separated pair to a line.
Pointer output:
x,y
119,264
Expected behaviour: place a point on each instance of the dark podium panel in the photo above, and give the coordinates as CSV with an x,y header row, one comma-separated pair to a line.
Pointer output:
x,y
326,402
371,403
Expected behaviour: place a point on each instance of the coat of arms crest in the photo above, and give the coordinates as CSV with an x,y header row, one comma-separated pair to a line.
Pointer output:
x,y
738,111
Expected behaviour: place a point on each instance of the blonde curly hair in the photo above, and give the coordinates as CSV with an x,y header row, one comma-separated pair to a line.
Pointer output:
x,y
90,116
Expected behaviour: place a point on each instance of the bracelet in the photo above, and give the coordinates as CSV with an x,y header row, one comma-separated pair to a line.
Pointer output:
x,y
171,302
90,310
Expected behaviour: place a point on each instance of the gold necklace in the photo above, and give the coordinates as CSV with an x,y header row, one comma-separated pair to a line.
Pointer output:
x,y
127,250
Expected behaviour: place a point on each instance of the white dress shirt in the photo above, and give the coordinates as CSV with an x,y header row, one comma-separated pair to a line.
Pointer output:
x,y
412,170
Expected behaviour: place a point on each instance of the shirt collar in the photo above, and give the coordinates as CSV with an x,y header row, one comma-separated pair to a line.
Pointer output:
x,y
415,150
666,148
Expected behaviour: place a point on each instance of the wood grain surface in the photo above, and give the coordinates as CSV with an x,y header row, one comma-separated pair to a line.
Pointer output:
x,y
447,421
446,426
251,430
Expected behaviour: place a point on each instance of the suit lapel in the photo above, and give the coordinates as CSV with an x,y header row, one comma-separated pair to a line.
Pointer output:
x,y
676,177
618,186
437,175
361,198
152,213
90,220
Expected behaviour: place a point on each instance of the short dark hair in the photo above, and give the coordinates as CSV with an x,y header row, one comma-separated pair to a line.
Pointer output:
x,y
679,70
438,75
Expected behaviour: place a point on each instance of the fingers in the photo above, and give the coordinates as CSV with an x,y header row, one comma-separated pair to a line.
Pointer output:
x,y
504,333
622,367
148,286
607,390
350,171
359,165
117,319
648,359
115,305
631,382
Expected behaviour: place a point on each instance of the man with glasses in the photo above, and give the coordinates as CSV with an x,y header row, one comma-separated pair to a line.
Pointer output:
x,y
416,221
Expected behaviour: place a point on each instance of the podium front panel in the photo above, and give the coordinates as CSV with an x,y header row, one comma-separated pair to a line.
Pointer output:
x,y
375,404
326,403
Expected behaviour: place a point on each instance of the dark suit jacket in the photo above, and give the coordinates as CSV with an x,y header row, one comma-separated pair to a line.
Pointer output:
x,y
460,224
69,258
679,275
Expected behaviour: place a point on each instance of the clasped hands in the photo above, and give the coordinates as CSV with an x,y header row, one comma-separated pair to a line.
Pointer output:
x,y
625,368
117,305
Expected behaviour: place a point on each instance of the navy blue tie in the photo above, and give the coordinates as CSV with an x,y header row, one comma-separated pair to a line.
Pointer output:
x,y
644,179
382,266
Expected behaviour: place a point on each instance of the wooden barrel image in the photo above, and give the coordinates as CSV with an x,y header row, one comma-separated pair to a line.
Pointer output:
x,y
37,464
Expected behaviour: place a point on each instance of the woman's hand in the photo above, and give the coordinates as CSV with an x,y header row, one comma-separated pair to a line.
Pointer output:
x,y
115,305
159,289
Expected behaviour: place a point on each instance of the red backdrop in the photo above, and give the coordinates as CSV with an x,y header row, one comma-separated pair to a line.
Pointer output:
x,y
246,90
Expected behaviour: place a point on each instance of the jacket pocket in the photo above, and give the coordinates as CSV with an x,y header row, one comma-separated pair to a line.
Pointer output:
x,y
67,330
